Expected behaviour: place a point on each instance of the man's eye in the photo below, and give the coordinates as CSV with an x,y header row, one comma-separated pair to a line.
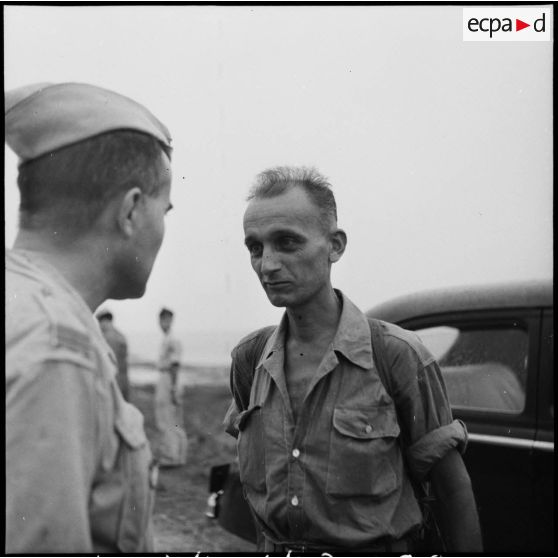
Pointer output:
x,y
288,243
255,250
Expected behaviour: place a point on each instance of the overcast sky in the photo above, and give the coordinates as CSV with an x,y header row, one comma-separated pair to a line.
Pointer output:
x,y
439,150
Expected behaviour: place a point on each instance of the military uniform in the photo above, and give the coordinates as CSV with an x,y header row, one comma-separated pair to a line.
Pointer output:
x,y
79,489
117,342
171,444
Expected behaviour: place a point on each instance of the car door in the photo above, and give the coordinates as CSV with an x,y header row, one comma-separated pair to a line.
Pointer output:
x,y
543,511
489,360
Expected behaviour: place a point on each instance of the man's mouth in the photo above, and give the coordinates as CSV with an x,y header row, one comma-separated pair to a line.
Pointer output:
x,y
275,284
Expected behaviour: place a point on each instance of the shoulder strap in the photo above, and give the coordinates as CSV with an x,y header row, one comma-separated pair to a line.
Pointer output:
x,y
379,350
245,359
429,535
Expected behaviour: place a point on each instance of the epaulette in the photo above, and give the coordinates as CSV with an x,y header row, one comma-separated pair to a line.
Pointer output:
x,y
66,330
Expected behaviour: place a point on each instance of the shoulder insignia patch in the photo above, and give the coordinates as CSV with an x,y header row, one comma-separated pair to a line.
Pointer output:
x,y
72,340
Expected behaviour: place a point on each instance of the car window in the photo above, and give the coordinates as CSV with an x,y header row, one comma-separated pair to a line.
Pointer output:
x,y
483,368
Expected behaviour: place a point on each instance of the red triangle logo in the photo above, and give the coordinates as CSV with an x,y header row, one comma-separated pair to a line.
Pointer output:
x,y
519,25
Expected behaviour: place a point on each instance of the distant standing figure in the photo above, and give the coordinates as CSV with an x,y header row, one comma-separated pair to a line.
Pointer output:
x,y
171,444
117,342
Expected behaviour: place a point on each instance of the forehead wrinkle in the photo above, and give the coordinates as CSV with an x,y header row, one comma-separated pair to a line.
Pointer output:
x,y
281,221
274,233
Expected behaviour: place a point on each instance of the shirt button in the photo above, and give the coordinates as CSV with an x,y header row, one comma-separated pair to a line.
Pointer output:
x,y
368,429
294,501
296,453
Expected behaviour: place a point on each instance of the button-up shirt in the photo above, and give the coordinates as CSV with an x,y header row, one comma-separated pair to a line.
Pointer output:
x,y
336,475
79,477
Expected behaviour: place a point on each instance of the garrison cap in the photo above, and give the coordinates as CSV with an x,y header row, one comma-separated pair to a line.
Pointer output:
x,y
44,117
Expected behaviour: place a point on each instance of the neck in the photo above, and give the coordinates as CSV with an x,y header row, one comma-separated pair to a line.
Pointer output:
x,y
82,262
316,318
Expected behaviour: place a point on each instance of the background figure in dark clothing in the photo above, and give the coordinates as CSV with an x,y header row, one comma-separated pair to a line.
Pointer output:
x,y
117,342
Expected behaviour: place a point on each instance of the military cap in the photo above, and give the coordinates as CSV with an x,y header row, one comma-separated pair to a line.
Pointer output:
x,y
44,117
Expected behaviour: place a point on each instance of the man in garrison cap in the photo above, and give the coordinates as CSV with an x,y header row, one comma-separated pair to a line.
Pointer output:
x,y
94,180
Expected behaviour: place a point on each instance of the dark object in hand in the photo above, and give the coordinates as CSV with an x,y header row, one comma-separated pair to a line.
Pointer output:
x,y
227,504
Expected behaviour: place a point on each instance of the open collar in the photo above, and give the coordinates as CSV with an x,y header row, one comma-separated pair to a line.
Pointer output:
x,y
352,338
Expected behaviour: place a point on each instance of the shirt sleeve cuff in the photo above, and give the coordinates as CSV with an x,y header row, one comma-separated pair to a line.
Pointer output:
x,y
434,445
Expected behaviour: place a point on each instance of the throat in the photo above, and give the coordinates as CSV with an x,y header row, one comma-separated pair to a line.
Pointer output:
x,y
301,365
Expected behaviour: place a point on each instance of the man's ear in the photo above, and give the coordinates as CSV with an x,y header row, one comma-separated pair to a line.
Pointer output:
x,y
128,211
338,243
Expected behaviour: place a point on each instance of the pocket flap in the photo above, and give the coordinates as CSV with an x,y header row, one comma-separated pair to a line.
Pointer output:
x,y
376,422
129,425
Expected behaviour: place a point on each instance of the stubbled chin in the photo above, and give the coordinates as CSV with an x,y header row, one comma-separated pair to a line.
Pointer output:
x,y
276,299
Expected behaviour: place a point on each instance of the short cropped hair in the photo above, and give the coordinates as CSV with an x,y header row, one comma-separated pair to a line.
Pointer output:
x,y
277,180
70,187
166,312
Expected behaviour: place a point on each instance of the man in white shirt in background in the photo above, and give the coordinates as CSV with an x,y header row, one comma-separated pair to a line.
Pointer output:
x,y
171,442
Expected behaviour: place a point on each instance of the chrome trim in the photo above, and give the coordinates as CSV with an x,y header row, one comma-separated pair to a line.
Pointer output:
x,y
521,443
501,441
544,446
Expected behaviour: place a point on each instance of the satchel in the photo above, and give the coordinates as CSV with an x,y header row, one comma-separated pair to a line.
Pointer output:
x,y
227,504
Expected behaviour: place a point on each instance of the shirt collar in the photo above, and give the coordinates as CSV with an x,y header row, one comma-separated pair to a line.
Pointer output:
x,y
352,338
276,341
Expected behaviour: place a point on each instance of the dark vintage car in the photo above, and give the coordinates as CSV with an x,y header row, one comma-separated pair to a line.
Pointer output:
x,y
494,345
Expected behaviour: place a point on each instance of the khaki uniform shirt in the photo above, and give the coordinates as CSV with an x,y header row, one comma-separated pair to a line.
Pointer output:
x,y
79,477
170,351
336,476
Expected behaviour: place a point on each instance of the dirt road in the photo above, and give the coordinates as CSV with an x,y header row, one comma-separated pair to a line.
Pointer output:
x,y
180,521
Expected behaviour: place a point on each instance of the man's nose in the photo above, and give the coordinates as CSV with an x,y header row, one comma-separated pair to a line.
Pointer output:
x,y
270,261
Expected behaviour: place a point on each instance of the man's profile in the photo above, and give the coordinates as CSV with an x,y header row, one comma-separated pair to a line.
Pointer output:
x,y
94,180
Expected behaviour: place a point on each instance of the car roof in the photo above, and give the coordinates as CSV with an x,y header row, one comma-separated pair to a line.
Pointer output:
x,y
521,294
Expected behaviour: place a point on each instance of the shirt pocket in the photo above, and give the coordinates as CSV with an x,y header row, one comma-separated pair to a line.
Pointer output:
x,y
364,452
251,448
138,473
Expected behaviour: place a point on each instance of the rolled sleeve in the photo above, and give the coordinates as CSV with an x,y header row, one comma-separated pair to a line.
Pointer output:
x,y
434,445
428,429
230,420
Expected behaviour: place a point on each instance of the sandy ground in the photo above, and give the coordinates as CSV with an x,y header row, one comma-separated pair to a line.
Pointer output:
x,y
180,521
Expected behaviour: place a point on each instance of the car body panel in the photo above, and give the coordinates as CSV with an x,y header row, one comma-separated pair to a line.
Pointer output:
x,y
510,455
524,294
